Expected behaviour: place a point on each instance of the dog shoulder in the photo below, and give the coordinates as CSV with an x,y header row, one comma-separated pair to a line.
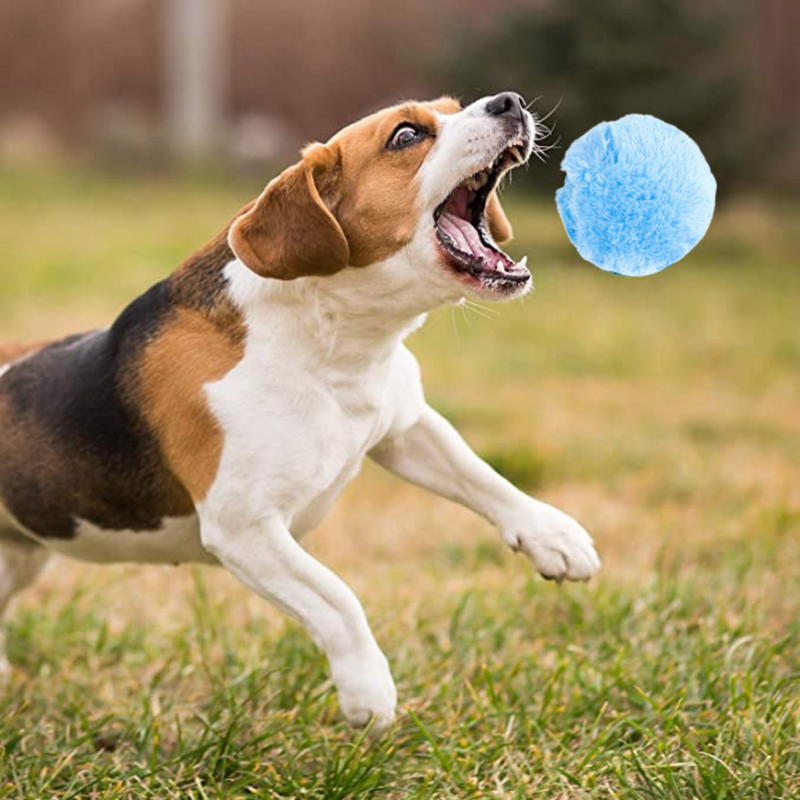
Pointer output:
x,y
170,377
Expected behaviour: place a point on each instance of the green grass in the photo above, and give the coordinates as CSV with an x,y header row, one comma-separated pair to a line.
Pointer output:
x,y
663,413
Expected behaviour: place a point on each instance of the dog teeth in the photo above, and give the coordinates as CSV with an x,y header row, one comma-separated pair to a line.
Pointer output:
x,y
500,267
477,181
523,262
516,154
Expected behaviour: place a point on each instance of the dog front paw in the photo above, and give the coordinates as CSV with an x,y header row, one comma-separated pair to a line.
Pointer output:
x,y
558,545
367,694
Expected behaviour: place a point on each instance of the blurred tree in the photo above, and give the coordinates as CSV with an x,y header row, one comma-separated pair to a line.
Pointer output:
x,y
668,58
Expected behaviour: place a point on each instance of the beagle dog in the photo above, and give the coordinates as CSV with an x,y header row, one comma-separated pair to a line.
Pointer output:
x,y
222,413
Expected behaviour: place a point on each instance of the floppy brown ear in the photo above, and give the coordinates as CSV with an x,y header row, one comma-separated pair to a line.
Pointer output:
x,y
290,232
499,226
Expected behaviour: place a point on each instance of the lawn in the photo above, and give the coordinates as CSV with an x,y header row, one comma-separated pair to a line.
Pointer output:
x,y
663,413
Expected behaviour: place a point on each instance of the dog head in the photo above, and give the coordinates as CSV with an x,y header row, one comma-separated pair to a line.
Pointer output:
x,y
415,184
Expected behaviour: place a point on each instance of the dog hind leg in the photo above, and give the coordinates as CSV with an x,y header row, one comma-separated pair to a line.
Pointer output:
x,y
21,562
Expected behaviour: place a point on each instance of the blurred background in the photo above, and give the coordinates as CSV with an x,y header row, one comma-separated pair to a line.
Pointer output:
x,y
247,82
663,413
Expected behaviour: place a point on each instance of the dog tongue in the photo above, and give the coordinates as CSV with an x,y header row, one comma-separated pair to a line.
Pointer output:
x,y
465,236
455,223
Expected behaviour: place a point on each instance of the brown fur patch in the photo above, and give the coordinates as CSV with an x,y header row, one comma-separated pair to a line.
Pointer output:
x,y
189,352
349,201
376,196
199,283
291,232
202,341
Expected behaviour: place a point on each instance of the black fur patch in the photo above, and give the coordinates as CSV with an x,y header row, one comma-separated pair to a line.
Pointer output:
x,y
73,440
73,444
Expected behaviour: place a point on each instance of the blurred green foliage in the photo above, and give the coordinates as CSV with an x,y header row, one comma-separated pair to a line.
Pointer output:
x,y
601,61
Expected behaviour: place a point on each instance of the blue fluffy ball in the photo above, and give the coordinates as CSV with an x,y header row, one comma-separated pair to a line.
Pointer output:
x,y
639,195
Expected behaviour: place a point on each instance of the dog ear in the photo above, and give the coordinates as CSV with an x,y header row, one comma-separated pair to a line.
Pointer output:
x,y
499,226
289,232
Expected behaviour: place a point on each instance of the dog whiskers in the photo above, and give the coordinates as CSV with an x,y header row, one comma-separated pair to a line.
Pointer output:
x,y
552,111
465,314
546,131
455,325
488,313
554,146
535,100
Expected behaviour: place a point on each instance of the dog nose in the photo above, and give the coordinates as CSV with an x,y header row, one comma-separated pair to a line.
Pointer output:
x,y
506,104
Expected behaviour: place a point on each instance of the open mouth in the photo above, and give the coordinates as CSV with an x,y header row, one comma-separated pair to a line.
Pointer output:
x,y
462,229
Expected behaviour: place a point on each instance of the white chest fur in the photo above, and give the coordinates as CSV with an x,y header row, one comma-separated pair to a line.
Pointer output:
x,y
294,436
318,387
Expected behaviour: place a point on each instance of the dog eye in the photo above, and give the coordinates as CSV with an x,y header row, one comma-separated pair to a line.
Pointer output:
x,y
403,136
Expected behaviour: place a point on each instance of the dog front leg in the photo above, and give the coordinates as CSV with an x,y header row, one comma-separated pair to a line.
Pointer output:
x,y
433,455
265,557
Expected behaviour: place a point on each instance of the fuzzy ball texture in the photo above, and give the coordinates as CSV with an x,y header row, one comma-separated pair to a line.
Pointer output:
x,y
639,195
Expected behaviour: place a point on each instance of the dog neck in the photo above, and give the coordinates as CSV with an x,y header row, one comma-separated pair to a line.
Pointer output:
x,y
356,317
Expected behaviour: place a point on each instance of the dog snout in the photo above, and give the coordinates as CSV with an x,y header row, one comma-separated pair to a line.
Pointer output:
x,y
506,104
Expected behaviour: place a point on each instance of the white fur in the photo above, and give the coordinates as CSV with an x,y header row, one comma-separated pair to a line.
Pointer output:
x,y
177,541
325,381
